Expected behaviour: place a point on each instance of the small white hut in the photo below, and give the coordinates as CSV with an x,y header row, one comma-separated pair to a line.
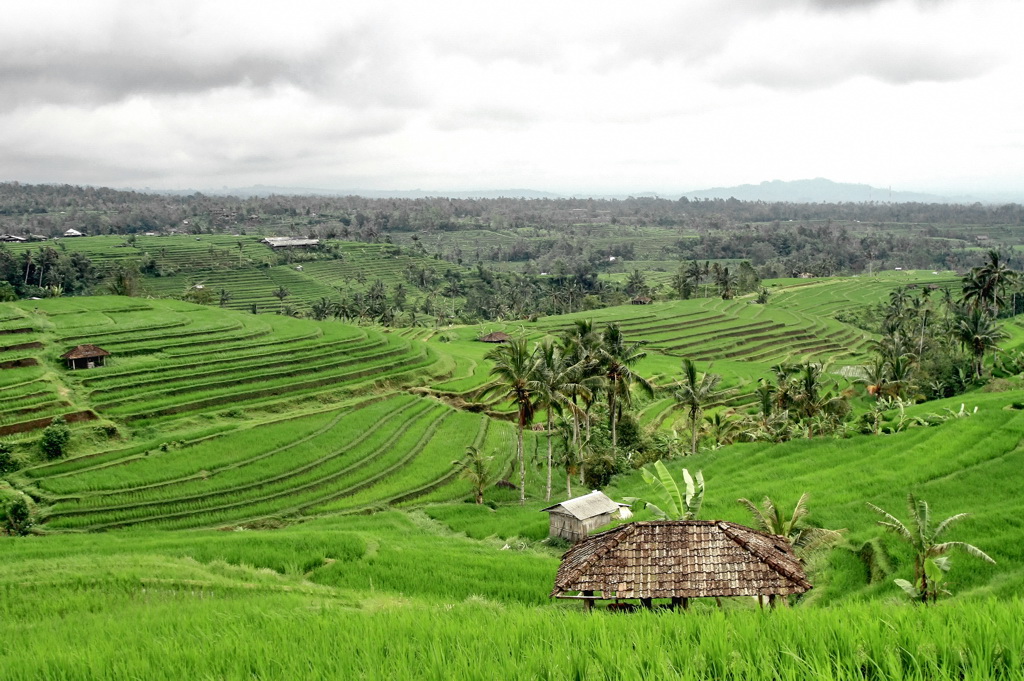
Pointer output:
x,y
575,518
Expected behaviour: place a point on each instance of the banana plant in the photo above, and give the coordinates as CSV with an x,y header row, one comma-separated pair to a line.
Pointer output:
x,y
673,503
930,561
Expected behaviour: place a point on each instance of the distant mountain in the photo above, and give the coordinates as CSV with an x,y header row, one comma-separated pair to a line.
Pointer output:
x,y
818,190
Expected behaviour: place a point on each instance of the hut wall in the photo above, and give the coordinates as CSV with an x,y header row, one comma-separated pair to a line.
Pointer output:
x,y
591,524
569,528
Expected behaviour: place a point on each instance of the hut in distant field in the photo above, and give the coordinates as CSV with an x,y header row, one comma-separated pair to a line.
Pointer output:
x,y
641,300
574,519
289,242
679,560
85,357
495,337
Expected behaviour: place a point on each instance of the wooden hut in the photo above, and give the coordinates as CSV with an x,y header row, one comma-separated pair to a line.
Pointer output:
x,y
495,337
575,518
289,242
641,300
679,560
85,357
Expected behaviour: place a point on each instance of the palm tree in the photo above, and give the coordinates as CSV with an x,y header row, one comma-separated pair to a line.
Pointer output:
x,y
555,385
978,332
636,284
726,281
811,393
694,394
875,377
580,345
694,274
984,286
929,555
793,528
616,358
571,458
723,430
474,469
514,368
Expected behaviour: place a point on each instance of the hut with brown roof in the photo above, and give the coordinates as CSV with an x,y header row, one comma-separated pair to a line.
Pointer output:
x,y
679,560
85,357
495,337
574,519
641,300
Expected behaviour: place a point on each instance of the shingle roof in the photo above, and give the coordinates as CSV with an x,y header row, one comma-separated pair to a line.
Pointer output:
x,y
587,506
687,558
84,351
495,337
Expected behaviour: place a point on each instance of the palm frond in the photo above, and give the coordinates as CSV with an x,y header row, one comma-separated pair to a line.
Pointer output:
x,y
891,522
759,518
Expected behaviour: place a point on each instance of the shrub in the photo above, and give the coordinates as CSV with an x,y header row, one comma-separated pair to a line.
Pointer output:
x,y
55,438
17,518
7,462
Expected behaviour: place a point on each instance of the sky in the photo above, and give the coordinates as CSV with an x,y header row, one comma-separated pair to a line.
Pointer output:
x,y
569,97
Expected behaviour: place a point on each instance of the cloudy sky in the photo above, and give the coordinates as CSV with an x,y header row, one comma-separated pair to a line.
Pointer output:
x,y
573,97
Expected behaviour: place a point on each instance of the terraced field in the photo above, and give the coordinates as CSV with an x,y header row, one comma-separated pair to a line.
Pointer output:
x,y
231,418
711,329
206,417
378,451
172,359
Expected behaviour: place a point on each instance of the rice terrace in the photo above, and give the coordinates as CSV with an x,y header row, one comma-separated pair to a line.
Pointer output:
x,y
302,437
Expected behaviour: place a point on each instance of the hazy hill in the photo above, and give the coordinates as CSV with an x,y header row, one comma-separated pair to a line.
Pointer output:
x,y
818,190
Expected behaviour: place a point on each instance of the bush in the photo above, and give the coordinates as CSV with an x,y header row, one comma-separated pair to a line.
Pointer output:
x,y
17,518
55,438
7,462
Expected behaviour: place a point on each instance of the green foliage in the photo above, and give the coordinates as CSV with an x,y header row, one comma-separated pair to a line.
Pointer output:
x,y
474,469
17,518
674,503
124,280
7,292
8,464
694,394
804,538
930,560
55,439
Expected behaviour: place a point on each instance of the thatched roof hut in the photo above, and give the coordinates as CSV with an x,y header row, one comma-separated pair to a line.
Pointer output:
x,y
574,519
495,337
85,357
679,560
641,300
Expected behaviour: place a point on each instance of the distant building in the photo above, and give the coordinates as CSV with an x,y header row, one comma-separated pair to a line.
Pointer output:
x,y
574,519
73,232
10,238
85,357
495,337
289,242
641,300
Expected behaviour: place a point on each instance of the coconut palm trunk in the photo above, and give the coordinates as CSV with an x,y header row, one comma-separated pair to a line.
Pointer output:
x,y
522,459
547,496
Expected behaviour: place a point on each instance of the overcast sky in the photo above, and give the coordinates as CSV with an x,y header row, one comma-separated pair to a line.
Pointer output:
x,y
571,97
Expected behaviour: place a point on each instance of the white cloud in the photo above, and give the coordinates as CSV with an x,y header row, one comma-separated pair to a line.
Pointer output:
x,y
568,96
